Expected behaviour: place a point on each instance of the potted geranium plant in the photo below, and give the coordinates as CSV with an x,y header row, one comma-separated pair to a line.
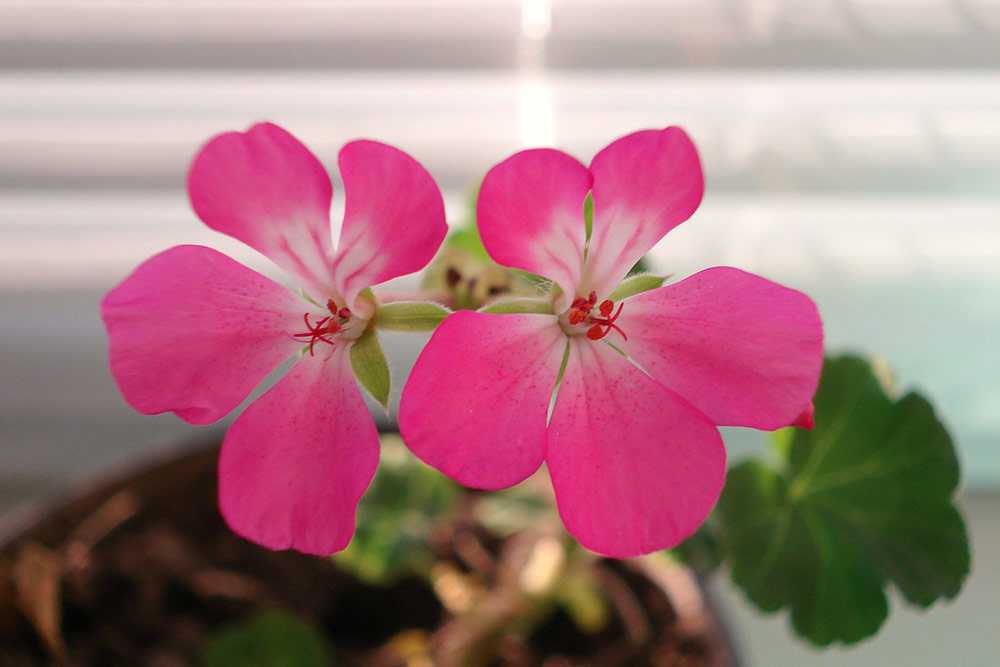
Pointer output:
x,y
547,347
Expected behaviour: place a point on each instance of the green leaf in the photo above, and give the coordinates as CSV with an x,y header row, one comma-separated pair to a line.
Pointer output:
x,y
519,306
588,214
395,516
370,366
410,316
704,551
863,500
642,282
272,638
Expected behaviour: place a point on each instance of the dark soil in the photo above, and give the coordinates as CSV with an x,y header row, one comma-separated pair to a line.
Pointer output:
x,y
143,571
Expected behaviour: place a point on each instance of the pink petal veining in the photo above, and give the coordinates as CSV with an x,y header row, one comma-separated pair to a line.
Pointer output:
x,y
295,464
476,400
742,349
394,218
645,184
193,332
265,188
530,215
635,468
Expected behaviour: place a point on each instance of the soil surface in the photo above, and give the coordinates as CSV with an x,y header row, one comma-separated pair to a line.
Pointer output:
x,y
143,571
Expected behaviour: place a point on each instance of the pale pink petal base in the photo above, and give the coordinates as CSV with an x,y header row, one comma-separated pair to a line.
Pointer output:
x,y
393,221
295,464
530,215
645,184
193,332
476,401
635,468
265,188
742,349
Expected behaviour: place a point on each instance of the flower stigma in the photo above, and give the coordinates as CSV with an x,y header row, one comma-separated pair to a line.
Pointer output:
x,y
340,322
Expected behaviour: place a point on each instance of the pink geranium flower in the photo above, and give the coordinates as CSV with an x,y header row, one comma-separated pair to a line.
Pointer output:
x,y
193,332
632,447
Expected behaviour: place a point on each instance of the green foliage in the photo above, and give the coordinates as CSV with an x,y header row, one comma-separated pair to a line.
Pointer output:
x,y
704,551
579,593
861,501
410,316
272,638
395,516
466,238
513,510
370,366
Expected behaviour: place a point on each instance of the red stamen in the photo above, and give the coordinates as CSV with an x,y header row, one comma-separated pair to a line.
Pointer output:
x,y
581,313
320,330
615,327
344,313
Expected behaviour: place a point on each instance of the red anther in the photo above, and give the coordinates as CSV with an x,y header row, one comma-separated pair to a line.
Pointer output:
x,y
331,305
581,313
344,312
618,312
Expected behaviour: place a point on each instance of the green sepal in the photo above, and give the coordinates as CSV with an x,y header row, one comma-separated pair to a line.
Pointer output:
x,y
588,214
410,316
507,306
642,282
370,366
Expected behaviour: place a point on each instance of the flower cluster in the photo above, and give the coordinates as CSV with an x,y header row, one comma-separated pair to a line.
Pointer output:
x,y
626,423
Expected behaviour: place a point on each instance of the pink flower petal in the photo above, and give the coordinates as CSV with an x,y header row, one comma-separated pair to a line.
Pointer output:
x,y
742,349
635,467
295,464
645,184
807,419
476,401
266,189
193,332
530,215
394,218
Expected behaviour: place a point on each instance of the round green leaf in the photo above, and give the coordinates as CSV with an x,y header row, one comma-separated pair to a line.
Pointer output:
x,y
864,499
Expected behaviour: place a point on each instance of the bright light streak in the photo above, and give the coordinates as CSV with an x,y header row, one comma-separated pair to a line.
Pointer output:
x,y
536,18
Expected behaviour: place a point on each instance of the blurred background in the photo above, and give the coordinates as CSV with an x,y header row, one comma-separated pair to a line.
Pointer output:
x,y
852,150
